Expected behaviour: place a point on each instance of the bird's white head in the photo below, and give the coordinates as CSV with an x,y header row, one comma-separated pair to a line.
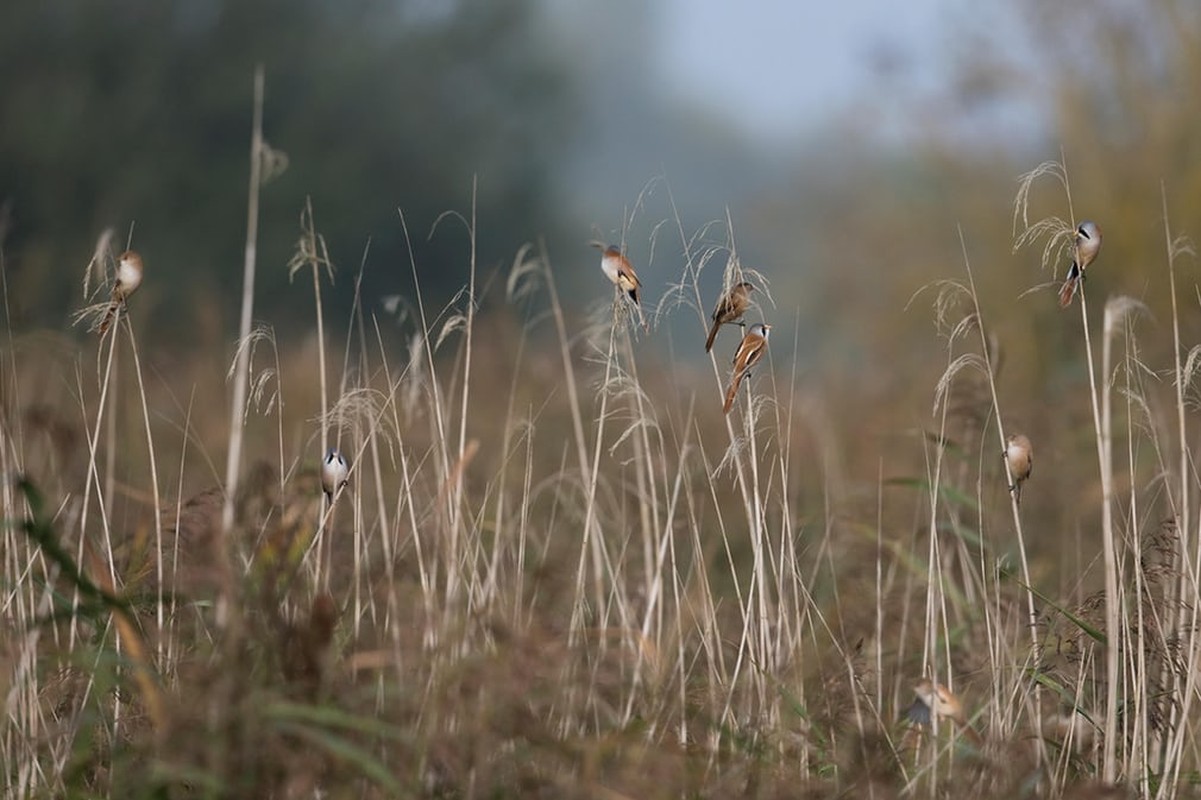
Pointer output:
x,y
1088,242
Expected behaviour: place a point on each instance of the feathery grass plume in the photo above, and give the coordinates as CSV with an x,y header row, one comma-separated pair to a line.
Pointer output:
x,y
631,405
524,280
1118,312
311,252
357,415
97,268
957,317
93,316
1060,234
1188,378
684,293
942,389
949,298
452,323
415,378
243,358
971,406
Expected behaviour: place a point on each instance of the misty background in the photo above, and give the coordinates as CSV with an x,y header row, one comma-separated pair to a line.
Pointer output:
x,y
842,148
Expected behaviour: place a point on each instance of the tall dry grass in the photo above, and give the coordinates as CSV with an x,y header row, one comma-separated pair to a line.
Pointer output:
x,y
558,570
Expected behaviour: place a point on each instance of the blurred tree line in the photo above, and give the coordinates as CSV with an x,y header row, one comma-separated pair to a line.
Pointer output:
x,y
138,113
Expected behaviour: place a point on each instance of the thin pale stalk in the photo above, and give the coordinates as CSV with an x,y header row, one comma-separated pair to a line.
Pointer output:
x,y
1109,556
154,492
242,371
93,477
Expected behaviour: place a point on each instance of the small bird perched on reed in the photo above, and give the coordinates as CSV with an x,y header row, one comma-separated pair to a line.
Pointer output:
x,y
939,701
125,283
750,351
1020,456
618,269
1087,246
730,308
334,472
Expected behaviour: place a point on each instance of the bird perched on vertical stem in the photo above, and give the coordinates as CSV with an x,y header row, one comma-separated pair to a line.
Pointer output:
x,y
1020,456
750,351
334,472
618,269
939,701
126,282
730,308
1087,246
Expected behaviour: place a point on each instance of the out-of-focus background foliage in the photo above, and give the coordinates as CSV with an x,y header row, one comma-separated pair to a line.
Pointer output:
x,y
139,113
847,146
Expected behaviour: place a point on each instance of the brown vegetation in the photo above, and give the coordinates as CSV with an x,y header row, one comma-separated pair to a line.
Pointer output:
x,y
561,574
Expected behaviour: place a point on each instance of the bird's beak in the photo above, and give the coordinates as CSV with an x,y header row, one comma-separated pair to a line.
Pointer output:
x,y
596,244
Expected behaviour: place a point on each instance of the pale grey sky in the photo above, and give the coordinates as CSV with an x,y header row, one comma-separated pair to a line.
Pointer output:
x,y
782,68
724,97
779,66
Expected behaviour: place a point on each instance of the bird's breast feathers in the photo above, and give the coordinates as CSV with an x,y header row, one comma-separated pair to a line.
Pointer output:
x,y
128,277
612,267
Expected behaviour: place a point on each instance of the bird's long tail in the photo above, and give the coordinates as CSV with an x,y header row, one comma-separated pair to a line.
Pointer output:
x,y
1068,290
633,293
712,335
732,392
